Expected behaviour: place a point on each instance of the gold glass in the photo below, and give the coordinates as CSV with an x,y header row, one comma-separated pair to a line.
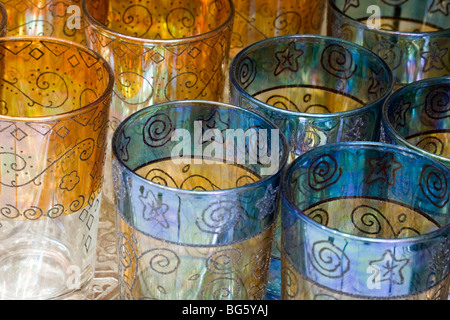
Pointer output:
x,y
172,51
261,19
57,19
54,106
3,20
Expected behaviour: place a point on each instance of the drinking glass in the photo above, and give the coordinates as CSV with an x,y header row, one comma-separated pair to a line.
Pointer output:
x,y
411,36
196,184
365,220
417,116
54,105
169,51
316,89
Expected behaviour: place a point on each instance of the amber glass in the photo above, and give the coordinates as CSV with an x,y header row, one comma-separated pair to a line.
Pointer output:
x,y
58,19
172,51
256,20
54,105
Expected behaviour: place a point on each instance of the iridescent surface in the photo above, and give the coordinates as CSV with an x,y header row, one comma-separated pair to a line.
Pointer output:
x,y
256,20
418,116
201,228
55,99
411,36
58,19
365,221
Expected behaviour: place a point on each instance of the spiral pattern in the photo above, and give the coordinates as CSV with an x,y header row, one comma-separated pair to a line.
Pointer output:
x,y
219,217
431,144
222,289
224,261
371,221
323,172
157,130
389,52
434,185
320,216
10,211
246,72
338,61
328,259
162,260
288,22
187,19
437,103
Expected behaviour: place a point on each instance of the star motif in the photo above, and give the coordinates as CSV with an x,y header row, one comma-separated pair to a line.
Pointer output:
x,y
377,83
389,269
350,3
355,133
288,59
433,58
123,147
400,113
439,5
267,203
214,121
154,209
383,169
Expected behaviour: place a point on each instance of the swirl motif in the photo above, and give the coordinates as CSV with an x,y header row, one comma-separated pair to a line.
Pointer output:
x,y
224,261
437,103
10,211
56,211
288,22
133,88
291,287
183,84
433,183
311,138
389,52
328,259
77,204
371,221
221,289
33,213
219,217
157,130
282,102
132,17
187,19
320,216
323,172
338,61
431,144
246,72
162,260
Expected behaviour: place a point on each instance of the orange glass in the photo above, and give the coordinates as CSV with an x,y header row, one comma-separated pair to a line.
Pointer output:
x,y
54,107
260,19
172,51
58,19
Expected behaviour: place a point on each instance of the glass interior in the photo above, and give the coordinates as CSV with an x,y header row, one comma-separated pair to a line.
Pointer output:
x,y
162,20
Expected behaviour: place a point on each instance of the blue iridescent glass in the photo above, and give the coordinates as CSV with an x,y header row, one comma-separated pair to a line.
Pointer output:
x,y
412,36
365,220
192,224
417,116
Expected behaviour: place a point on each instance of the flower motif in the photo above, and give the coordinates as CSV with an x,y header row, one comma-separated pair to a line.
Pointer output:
x,y
69,181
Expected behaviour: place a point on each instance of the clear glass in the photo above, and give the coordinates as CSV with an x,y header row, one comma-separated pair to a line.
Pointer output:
x,y
365,220
411,36
192,224
58,19
316,89
172,51
417,116
54,106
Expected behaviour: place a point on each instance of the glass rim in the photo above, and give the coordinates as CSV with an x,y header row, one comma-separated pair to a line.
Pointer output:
x,y
104,96
203,103
164,42
286,195
420,84
359,24
285,38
